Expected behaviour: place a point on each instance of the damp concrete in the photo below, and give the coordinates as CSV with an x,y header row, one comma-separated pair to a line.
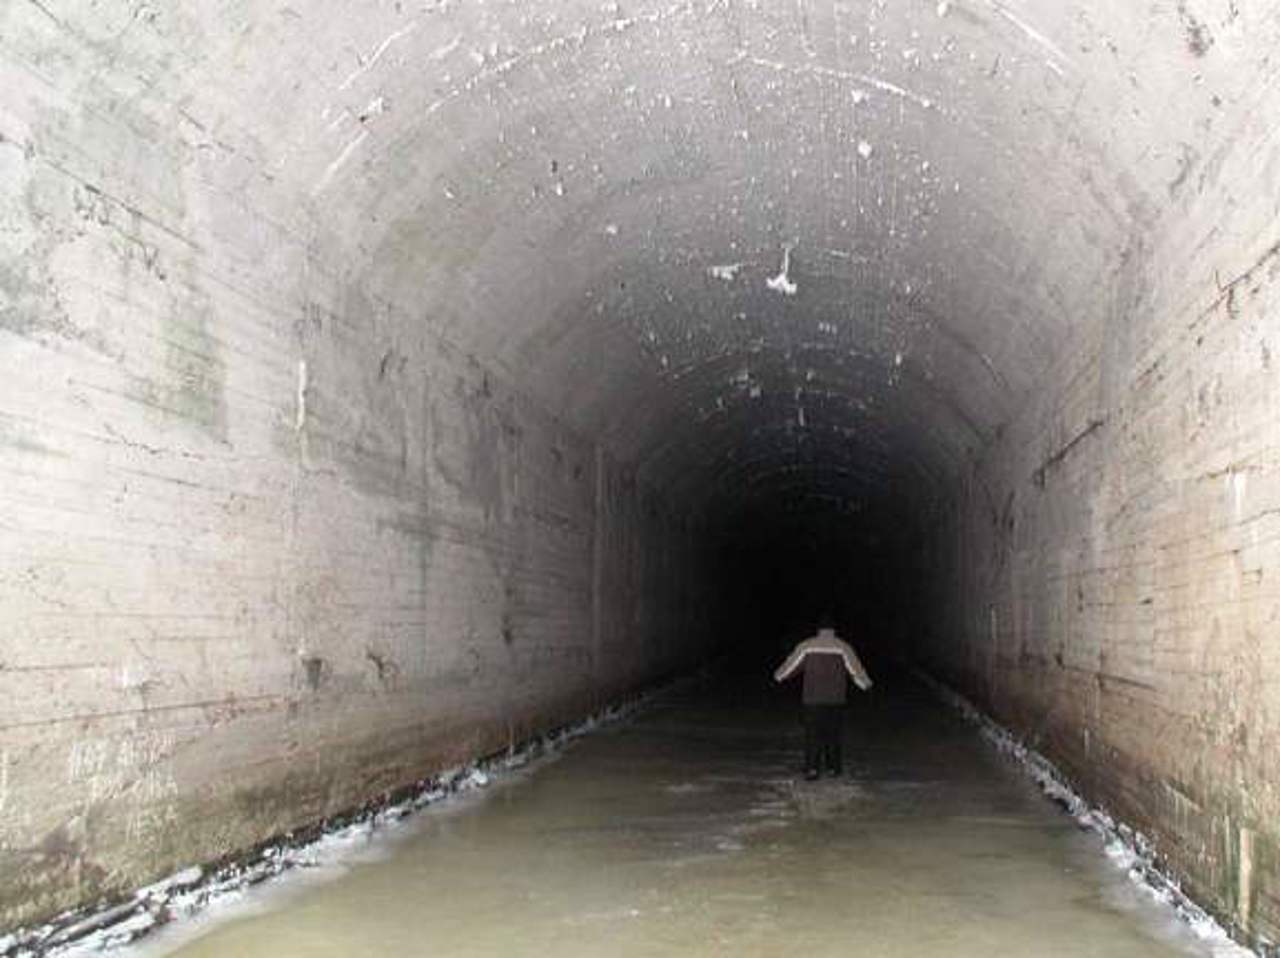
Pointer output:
x,y
689,830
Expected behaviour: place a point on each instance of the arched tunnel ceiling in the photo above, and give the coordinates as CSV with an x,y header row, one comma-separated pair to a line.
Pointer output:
x,y
818,247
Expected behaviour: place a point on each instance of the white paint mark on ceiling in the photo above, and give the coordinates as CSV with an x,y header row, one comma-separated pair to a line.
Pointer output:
x,y
725,271
1057,57
884,86
368,63
782,283
332,169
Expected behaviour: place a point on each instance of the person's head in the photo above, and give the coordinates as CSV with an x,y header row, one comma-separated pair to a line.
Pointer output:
x,y
826,621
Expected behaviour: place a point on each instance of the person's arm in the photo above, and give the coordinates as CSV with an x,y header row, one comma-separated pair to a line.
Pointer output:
x,y
853,665
792,663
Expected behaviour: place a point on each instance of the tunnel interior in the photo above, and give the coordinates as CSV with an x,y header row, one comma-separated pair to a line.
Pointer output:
x,y
388,382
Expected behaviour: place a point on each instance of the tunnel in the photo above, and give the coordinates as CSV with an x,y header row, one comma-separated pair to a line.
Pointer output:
x,y
389,382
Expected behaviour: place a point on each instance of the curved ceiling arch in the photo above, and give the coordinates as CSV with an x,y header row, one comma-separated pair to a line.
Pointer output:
x,y
664,218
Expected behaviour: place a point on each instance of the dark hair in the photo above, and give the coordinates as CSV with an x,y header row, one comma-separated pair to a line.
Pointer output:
x,y
826,621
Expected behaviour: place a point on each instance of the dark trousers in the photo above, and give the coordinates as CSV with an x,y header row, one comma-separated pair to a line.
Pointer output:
x,y
824,738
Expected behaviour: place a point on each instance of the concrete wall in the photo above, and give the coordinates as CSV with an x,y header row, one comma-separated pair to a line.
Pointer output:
x,y
334,337
268,545
1106,579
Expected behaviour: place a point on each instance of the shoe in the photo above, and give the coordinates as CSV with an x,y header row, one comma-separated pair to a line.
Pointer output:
x,y
835,772
810,774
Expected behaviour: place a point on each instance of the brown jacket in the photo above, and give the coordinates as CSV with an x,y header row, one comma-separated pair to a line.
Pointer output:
x,y
826,658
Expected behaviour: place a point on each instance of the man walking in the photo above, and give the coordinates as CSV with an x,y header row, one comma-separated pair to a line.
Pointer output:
x,y
826,660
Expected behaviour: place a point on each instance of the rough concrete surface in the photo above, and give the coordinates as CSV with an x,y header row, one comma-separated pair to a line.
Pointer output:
x,y
382,381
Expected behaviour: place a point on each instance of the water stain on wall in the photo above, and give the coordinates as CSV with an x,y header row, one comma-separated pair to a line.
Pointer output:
x,y
475,446
191,384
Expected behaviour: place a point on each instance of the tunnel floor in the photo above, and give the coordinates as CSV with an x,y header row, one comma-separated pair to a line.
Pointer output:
x,y
688,831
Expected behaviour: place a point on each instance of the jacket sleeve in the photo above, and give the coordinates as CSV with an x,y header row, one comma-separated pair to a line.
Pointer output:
x,y
853,665
792,663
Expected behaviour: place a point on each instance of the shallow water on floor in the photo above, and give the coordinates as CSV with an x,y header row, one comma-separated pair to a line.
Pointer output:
x,y
688,831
